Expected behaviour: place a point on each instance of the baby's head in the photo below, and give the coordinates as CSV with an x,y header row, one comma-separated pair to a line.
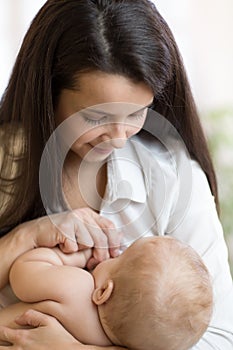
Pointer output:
x,y
156,295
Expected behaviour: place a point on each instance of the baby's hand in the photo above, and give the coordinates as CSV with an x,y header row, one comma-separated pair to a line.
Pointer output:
x,y
77,259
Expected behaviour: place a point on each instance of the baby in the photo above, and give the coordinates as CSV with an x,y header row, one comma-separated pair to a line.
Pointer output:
x,y
156,295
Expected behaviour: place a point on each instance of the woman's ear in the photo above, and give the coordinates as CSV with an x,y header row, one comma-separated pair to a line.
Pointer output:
x,y
103,293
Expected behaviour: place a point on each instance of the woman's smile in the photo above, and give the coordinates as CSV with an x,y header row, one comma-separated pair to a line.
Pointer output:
x,y
102,150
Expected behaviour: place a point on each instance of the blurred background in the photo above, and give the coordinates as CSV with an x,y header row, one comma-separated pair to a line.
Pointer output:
x,y
203,30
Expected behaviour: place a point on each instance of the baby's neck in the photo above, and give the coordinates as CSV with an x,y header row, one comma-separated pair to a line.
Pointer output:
x,y
111,337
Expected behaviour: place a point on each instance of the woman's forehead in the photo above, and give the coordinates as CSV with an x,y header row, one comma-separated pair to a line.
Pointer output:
x,y
98,87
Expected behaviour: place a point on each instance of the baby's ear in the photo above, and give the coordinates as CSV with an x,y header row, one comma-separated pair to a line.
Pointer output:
x,y
103,293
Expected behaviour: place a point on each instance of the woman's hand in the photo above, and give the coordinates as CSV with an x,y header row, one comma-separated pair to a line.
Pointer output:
x,y
36,233
46,333
49,334
97,232
82,226
72,230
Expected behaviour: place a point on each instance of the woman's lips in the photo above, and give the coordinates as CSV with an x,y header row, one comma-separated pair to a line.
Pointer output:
x,y
102,150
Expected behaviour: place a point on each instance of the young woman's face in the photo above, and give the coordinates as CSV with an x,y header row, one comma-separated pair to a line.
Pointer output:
x,y
109,108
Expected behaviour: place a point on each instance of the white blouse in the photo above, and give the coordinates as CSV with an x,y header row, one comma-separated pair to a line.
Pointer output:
x,y
156,189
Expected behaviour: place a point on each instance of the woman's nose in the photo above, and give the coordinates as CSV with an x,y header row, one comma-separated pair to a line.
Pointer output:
x,y
117,135
118,142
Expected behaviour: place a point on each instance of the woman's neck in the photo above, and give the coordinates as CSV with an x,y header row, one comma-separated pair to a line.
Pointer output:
x,y
84,183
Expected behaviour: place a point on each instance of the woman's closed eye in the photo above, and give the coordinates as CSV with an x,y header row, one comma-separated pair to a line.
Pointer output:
x,y
95,121
142,112
137,116
100,119
104,118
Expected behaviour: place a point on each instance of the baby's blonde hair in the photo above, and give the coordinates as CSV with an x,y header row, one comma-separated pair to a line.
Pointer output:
x,y
162,298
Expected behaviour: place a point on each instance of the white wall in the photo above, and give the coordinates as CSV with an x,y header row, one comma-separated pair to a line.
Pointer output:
x,y
202,28
15,18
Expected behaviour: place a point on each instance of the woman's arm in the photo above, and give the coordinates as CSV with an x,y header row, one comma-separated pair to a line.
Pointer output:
x,y
13,245
61,229
36,233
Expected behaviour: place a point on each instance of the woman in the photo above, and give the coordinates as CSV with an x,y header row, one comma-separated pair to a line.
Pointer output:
x,y
120,57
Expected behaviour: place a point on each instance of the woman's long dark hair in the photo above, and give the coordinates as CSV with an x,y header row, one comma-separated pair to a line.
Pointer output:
x,y
69,37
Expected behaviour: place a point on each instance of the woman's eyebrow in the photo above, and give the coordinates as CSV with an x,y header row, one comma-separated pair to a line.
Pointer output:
x,y
147,106
98,111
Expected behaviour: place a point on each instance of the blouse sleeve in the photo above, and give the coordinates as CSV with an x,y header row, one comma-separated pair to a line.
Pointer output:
x,y
200,227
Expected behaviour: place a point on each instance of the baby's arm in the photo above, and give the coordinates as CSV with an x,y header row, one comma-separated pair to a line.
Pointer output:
x,y
62,291
40,274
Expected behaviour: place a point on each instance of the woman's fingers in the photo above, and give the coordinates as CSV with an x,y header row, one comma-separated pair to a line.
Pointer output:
x,y
47,333
49,231
34,319
89,229
82,232
68,246
77,229
105,236
30,318
6,336
113,235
